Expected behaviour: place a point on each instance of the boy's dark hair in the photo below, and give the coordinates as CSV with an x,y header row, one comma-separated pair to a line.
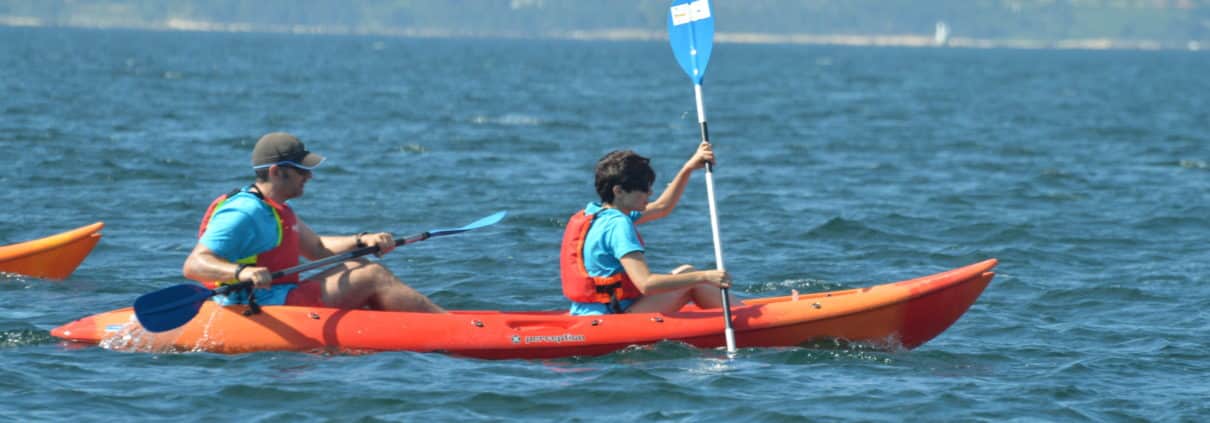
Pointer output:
x,y
625,168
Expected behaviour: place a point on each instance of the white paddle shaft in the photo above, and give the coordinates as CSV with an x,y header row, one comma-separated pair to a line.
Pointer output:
x,y
729,332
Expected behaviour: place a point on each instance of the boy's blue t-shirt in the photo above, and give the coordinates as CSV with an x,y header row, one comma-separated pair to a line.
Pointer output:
x,y
612,236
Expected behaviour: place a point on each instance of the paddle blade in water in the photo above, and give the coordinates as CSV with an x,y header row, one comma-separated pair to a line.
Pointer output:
x,y
171,307
691,32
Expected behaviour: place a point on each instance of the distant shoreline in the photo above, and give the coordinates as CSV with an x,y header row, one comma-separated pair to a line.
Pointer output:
x,y
630,34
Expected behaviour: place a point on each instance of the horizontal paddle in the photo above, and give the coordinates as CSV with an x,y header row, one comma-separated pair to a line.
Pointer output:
x,y
172,307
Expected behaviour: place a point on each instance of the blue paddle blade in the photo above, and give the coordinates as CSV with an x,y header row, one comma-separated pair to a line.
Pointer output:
x,y
489,220
691,32
171,307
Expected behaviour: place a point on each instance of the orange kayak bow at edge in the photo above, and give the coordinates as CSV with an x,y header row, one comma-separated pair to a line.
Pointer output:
x,y
890,316
52,257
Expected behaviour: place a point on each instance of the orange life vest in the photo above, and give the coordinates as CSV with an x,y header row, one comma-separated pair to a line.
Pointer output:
x,y
578,286
285,252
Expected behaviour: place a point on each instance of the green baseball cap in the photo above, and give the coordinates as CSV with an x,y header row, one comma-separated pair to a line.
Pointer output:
x,y
280,148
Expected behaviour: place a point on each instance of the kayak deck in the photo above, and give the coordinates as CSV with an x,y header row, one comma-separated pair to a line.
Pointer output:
x,y
895,315
52,257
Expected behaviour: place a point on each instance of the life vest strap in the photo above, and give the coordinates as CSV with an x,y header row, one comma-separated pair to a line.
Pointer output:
x,y
253,306
612,290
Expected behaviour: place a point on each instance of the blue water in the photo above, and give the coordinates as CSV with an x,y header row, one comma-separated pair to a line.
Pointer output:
x,y
1083,172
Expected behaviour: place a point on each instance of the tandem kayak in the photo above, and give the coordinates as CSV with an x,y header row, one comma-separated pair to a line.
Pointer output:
x,y
891,316
52,257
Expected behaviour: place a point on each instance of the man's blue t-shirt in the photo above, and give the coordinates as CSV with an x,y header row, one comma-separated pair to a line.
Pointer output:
x,y
242,227
612,236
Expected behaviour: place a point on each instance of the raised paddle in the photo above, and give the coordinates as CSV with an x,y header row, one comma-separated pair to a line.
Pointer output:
x,y
691,33
171,307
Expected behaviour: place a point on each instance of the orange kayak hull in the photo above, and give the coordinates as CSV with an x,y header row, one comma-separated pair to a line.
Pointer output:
x,y
891,316
53,257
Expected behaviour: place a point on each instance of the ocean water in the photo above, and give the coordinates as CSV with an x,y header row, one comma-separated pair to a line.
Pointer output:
x,y
1084,172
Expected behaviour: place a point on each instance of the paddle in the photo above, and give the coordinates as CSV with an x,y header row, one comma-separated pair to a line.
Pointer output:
x,y
691,33
171,307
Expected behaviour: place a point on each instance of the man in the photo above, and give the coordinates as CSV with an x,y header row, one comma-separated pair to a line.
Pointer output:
x,y
251,232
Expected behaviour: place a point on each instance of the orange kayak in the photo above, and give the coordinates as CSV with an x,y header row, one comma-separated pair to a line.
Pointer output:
x,y
53,257
891,316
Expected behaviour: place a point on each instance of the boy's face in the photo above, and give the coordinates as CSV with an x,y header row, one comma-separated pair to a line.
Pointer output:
x,y
630,200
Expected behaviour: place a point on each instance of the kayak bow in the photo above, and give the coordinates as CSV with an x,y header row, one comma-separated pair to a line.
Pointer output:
x,y
52,257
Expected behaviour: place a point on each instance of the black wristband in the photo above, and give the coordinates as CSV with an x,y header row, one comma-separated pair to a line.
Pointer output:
x,y
358,238
238,269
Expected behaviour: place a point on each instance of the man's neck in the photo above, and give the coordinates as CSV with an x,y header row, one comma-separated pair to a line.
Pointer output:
x,y
266,189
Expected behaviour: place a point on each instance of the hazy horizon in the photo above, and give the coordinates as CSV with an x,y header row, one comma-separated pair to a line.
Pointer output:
x,y
1138,24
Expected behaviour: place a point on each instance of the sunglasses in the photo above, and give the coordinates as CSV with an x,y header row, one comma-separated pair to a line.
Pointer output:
x,y
646,189
287,163
301,170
